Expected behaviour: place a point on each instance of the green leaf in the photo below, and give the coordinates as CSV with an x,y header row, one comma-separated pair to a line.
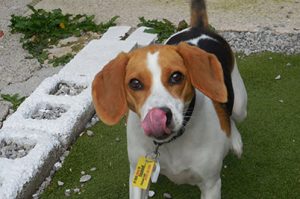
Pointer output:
x,y
15,99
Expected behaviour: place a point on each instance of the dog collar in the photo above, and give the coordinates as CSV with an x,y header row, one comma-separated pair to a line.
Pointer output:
x,y
186,118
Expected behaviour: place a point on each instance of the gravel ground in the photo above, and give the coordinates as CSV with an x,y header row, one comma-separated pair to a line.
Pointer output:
x,y
263,40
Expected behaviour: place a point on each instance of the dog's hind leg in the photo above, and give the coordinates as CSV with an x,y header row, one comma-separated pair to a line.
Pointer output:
x,y
239,111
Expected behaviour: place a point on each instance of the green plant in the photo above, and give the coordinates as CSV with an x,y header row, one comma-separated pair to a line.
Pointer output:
x,y
61,60
15,99
163,29
42,29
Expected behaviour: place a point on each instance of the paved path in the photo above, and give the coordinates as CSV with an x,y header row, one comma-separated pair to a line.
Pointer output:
x,y
20,75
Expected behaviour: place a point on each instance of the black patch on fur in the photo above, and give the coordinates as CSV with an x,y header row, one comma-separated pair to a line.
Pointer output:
x,y
220,48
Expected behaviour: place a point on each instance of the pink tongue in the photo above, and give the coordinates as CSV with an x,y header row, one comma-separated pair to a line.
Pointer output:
x,y
155,123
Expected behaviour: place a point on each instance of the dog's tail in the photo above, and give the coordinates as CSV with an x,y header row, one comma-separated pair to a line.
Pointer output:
x,y
198,14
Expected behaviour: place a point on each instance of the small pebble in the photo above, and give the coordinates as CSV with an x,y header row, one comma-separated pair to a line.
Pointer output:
x,y
288,64
225,166
90,133
167,196
94,120
67,192
85,178
117,139
82,172
278,77
57,165
76,190
93,169
151,193
11,111
81,134
60,183
281,101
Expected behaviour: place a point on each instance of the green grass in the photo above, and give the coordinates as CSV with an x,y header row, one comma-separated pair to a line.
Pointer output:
x,y
269,167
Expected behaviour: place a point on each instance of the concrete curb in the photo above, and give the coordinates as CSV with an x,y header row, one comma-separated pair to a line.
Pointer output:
x,y
20,177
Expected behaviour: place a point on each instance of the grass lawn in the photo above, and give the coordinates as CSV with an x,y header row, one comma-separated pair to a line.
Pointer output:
x,y
269,167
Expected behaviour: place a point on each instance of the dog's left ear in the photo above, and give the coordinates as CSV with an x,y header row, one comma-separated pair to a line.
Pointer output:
x,y
108,90
205,71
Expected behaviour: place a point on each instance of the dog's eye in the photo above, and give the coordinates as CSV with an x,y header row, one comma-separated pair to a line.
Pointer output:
x,y
136,84
176,78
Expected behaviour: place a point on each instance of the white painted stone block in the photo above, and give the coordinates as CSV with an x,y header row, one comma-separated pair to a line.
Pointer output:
x,y
79,110
94,56
116,32
142,38
19,176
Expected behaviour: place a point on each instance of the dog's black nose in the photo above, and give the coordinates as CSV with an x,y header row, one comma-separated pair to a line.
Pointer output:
x,y
168,114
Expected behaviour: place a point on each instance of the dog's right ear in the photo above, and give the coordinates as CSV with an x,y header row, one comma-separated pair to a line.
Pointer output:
x,y
108,91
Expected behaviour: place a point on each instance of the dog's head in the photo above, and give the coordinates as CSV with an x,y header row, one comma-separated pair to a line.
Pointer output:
x,y
157,82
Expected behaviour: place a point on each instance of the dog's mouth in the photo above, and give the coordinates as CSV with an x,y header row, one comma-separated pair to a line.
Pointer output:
x,y
158,123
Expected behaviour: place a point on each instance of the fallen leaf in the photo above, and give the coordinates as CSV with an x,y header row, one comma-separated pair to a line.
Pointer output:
x,y
62,25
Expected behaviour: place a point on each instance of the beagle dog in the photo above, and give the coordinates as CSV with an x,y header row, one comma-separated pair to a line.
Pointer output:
x,y
182,100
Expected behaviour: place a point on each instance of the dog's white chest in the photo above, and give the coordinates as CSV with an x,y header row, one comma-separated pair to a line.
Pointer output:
x,y
185,167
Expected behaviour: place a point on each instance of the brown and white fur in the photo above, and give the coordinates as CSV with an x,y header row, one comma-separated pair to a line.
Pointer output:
x,y
150,80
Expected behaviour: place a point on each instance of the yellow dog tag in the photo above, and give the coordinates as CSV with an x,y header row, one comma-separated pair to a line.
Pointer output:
x,y
143,172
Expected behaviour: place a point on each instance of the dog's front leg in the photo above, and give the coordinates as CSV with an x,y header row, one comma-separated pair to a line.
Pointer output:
x,y
210,189
135,192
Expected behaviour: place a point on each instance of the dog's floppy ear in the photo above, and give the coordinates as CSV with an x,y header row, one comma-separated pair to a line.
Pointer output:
x,y
205,71
108,91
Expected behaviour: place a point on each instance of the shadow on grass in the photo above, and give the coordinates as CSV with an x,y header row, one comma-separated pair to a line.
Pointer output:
x,y
269,167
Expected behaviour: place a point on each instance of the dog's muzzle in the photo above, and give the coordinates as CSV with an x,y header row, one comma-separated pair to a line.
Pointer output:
x,y
157,123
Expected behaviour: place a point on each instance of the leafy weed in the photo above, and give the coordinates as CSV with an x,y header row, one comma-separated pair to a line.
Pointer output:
x,y
163,29
42,29
15,99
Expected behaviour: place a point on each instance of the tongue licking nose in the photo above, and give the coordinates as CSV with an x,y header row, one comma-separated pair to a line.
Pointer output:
x,y
155,123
